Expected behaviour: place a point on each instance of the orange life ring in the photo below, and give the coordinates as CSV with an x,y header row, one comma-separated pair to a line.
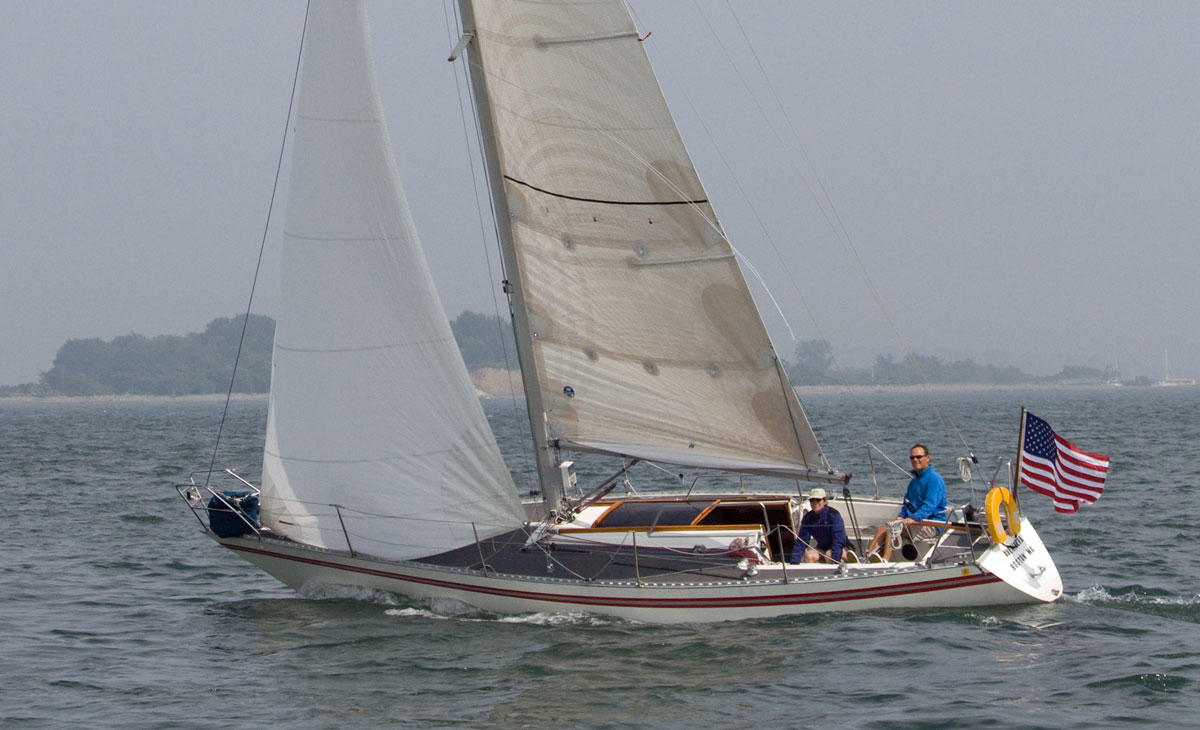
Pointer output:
x,y
995,498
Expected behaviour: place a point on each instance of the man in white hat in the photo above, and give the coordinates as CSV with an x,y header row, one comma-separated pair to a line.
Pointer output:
x,y
822,532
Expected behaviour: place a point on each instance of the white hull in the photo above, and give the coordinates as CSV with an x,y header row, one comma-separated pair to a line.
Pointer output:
x,y
766,595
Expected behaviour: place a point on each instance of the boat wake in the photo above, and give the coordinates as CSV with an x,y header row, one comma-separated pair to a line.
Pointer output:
x,y
1143,600
561,619
443,608
324,592
467,613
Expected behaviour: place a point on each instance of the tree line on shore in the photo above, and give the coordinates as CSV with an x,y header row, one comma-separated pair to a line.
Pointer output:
x,y
814,364
202,362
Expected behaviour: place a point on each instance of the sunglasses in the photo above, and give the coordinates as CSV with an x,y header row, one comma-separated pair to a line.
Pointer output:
x,y
918,456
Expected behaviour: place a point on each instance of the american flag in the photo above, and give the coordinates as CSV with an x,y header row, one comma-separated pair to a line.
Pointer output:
x,y
1059,469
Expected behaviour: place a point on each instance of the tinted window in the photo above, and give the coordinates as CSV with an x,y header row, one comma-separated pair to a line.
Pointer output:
x,y
659,514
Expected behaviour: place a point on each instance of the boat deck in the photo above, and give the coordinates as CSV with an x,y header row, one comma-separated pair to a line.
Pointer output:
x,y
508,554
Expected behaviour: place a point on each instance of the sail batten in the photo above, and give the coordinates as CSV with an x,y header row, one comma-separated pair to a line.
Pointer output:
x,y
587,39
531,186
382,346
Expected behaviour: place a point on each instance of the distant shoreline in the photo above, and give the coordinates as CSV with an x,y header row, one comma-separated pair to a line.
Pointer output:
x,y
948,387
494,384
132,398
502,384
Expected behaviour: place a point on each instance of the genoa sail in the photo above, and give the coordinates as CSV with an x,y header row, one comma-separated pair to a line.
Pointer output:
x,y
646,339
372,423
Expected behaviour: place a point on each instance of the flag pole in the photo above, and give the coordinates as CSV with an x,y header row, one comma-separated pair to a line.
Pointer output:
x,y
1017,471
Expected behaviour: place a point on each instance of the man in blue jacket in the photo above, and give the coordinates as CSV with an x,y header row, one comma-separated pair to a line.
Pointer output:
x,y
924,500
822,532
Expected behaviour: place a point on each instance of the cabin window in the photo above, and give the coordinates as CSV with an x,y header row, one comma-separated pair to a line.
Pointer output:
x,y
658,514
777,516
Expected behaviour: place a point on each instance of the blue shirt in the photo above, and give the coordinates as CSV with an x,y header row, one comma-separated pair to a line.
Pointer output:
x,y
925,498
825,528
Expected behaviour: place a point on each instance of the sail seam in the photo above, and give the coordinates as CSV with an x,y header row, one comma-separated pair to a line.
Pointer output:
x,y
352,120
470,448
700,201
694,260
388,346
355,239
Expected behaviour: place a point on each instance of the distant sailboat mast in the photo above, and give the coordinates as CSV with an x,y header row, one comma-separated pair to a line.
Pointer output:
x,y
1168,380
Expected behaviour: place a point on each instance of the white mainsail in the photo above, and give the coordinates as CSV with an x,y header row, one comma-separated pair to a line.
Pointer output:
x,y
371,406
645,337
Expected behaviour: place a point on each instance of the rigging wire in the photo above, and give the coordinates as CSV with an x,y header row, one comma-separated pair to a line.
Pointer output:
x,y
808,186
263,245
843,235
754,211
451,26
825,203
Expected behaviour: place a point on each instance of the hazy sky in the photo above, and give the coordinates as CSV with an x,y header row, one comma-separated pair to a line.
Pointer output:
x,y
1020,179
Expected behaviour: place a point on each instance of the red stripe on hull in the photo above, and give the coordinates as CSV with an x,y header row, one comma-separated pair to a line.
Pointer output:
x,y
940,584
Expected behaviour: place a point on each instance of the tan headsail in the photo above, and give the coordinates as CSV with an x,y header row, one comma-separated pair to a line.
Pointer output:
x,y
645,338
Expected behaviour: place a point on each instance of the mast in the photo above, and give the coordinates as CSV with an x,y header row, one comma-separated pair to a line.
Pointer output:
x,y
544,456
1016,475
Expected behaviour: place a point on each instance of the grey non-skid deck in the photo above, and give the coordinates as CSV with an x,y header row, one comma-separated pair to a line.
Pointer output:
x,y
507,554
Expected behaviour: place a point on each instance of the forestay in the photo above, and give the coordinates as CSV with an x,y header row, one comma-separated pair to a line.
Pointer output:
x,y
371,406
646,339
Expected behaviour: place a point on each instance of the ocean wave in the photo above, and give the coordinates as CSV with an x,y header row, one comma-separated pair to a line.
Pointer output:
x,y
324,592
477,616
1155,682
414,613
1184,607
559,619
1134,594
144,519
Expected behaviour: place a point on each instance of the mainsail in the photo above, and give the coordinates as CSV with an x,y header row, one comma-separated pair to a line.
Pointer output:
x,y
645,338
371,407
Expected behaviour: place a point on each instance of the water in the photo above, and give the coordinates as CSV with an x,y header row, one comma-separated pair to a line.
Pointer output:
x,y
115,611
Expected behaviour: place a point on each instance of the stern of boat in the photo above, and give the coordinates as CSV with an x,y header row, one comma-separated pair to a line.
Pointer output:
x,y
1023,562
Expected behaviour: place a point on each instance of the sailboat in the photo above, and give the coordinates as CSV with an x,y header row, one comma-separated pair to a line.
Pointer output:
x,y
638,341
1168,380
